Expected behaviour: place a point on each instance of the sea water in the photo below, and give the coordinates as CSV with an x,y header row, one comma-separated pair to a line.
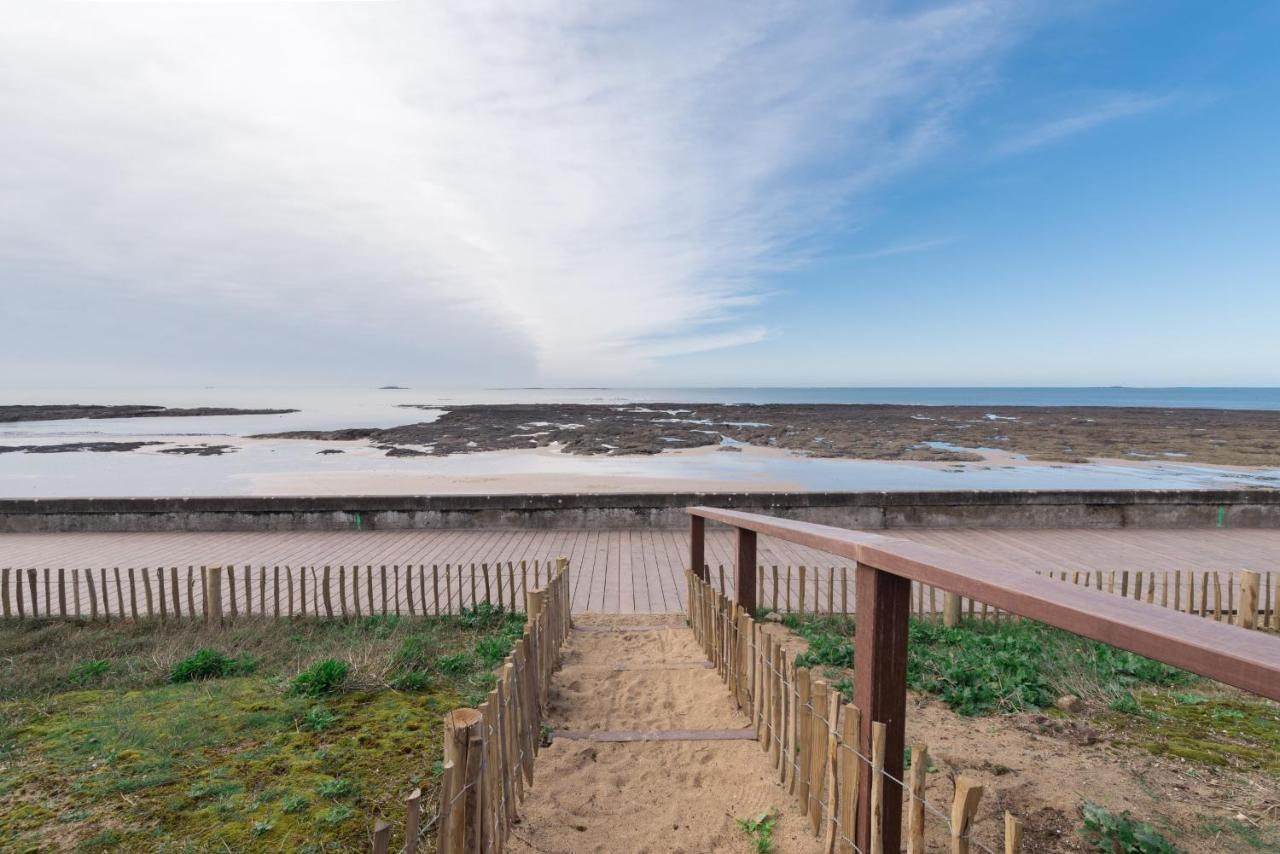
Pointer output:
x,y
256,467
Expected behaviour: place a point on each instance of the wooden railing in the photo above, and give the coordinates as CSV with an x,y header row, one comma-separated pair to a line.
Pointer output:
x,y
489,750
809,734
1242,597
884,570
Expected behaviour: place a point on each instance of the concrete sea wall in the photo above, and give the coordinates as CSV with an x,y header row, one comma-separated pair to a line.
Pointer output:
x,y
868,510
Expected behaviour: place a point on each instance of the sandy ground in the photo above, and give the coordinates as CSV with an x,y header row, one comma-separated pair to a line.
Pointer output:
x,y
1042,769
412,483
405,481
651,796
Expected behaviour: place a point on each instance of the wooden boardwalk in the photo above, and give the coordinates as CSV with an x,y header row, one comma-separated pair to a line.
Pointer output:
x,y
632,571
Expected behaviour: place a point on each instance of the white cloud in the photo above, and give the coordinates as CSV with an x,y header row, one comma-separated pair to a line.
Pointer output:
x,y
914,247
601,185
1110,109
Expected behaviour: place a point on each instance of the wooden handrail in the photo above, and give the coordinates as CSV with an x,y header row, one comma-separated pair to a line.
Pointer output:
x,y
1238,657
884,569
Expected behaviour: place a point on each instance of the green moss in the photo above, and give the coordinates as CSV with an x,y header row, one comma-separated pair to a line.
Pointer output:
x,y
235,763
23,817
212,784
1225,731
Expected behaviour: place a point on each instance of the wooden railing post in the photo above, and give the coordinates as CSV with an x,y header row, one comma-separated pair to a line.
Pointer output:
x,y
698,546
880,691
745,578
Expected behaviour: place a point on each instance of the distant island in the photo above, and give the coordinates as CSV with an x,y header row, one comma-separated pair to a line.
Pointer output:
x,y
73,411
393,388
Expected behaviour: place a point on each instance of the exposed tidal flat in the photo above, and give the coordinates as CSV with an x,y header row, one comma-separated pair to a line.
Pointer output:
x,y
386,441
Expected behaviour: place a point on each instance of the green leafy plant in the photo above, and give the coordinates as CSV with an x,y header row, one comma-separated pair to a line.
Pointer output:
x,y
980,668
293,803
323,677
760,829
334,788
1119,833
456,664
214,788
318,719
493,649
337,815
1126,704
483,615
412,680
210,664
88,671
261,828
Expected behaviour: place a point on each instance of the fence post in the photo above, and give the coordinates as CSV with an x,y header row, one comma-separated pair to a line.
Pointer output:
x,y
951,610
459,808
1247,613
963,810
413,814
698,546
877,789
213,595
745,579
915,785
1012,834
381,837
883,606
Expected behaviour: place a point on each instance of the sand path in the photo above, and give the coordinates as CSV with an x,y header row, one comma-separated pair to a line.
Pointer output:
x,y
651,796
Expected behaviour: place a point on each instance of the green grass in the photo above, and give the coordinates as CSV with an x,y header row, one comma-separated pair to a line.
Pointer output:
x,y
1241,836
88,672
324,677
97,740
983,667
1119,833
210,664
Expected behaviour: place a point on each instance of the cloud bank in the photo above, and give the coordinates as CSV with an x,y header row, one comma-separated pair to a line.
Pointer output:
x,y
575,190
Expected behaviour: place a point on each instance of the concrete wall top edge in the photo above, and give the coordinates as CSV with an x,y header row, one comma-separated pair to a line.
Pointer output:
x,y
623,501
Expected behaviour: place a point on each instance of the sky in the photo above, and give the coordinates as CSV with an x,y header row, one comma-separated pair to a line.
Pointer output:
x,y
639,193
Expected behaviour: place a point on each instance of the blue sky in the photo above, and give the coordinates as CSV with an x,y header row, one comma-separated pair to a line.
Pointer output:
x,y
972,192
1060,238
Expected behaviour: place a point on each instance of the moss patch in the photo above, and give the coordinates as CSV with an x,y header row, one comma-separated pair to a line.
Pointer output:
x,y
1224,730
238,763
